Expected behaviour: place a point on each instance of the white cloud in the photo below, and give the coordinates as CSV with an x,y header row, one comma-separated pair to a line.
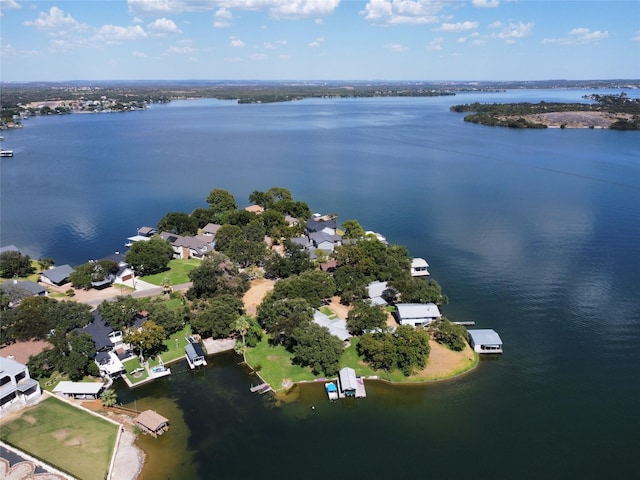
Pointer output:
x,y
461,39
579,36
149,7
9,50
496,24
394,12
111,34
222,18
636,38
274,45
232,59
514,31
235,42
395,47
56,22
138,54
6,4
258,56
458,26
163,26
290,9
182,47
486,3
478,42
317,42
435,44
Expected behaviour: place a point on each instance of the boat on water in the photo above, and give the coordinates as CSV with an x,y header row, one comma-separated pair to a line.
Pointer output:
x,y
6,153
332,390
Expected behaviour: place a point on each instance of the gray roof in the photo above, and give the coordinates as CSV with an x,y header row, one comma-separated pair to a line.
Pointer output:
x,y
337,326
193,351
58,274
417,310
348,379
485,336
147,231
27,286
9,366
211,228
376,289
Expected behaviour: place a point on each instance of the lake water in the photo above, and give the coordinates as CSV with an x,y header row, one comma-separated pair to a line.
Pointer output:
x,y
535,233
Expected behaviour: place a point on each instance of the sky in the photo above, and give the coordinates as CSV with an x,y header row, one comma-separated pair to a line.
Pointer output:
x,y
422,40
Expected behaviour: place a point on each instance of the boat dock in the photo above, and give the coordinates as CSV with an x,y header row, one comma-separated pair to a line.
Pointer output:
x,y
262,388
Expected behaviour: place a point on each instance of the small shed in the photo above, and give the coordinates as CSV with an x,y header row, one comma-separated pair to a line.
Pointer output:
x,y
419,267
485,341
152,423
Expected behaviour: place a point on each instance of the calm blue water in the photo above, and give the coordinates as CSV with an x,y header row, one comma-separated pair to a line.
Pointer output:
x,y
533,233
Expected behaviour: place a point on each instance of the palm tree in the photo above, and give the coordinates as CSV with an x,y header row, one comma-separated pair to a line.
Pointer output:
x,y
241,325
109,397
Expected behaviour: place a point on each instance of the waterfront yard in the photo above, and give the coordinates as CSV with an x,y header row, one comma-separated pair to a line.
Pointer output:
x,y
64,436
275,365
177,273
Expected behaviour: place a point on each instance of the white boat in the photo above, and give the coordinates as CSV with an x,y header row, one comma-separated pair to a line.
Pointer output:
x,y
6,153
332,390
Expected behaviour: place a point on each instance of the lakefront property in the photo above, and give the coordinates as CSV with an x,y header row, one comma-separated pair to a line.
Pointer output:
x,y
313,290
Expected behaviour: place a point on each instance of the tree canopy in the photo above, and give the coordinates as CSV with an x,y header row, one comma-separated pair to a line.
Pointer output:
x,y
281,317
405,349
364,317
14,264
314,346
220,202
147,258
178,223
217,275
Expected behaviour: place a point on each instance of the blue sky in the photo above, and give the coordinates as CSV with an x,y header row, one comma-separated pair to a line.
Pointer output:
x,y
319,40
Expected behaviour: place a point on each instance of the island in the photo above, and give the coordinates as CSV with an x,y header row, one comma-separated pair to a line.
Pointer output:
x,y
615,112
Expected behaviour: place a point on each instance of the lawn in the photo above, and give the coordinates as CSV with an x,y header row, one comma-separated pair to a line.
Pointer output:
x,y
64,436
177,273
275,363
175,347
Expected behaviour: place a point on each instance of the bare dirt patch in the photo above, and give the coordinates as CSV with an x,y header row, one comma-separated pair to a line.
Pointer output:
x,y
21,351
258,290
61,434
29,419
444,362
575,119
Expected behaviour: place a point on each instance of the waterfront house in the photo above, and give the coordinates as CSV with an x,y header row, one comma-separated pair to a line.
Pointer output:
x,y
195,355
152,423
485,340
210,229
419,267
57,275
16,385
147,231
188,247
416,314
79,390
336,326
322,223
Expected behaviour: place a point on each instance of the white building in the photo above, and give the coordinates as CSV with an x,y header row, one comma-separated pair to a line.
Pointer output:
x,y
16,386
485,341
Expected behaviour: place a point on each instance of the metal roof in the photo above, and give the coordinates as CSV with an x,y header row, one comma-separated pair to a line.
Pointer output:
x,y
485,336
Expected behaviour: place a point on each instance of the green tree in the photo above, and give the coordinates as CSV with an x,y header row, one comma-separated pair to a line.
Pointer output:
x,y
245,252
449,334
314,346
221,201
313,285
109,397
413,348
148,339
352,229
293,262
281,317
216,319
241,326
120,313
164,316
364,317
203,216
85,275
14,264
147,258
178,223
226,235
217,275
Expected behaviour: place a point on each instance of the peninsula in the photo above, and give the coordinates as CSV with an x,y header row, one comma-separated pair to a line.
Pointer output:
x,y
616,112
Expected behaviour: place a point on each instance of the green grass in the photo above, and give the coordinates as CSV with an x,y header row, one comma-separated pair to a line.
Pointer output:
x,y
178,272
328,312
64,436
276,364
175,349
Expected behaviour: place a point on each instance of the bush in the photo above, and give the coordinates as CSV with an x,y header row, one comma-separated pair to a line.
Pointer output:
x,y
449,334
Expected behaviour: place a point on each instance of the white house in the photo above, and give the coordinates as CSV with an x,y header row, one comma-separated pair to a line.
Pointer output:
x,y
16,386
419,267
417,314
485,340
